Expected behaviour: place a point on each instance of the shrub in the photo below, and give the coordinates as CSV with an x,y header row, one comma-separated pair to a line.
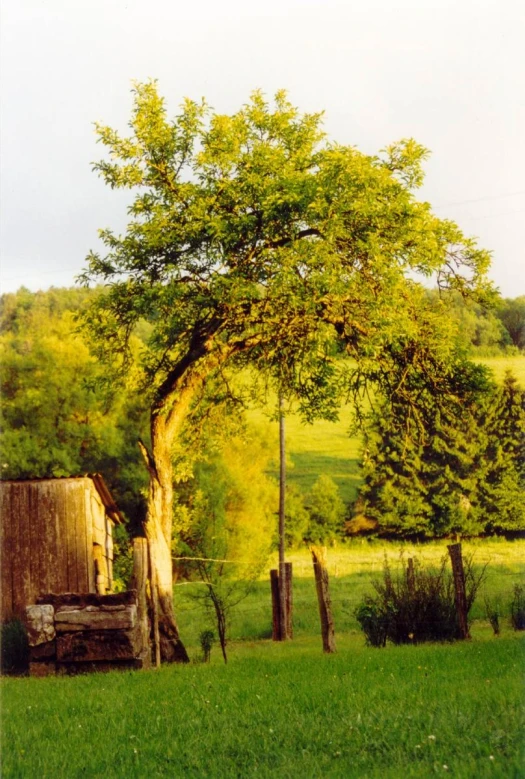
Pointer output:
x,y
517,608
492,610
14,649
415,606
207,640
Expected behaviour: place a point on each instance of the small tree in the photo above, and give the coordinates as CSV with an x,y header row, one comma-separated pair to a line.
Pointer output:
x,y
229,509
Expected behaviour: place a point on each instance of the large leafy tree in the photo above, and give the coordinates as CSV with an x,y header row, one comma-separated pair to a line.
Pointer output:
x,y
254,240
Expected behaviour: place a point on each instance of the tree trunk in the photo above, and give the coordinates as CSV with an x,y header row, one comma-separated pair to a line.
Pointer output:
x,y
323,597
158,528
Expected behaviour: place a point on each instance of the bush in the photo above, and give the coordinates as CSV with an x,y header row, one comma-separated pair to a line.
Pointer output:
x,y
14,649
416,606
517,608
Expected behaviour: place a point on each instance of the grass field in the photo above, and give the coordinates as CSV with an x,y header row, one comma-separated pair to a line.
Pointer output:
x,y
279,711
327,447
286,709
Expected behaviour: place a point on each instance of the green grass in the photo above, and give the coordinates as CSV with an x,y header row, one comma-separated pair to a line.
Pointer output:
x,y
286,709
279,710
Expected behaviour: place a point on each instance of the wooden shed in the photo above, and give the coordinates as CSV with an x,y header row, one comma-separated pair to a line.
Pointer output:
x,y
56,536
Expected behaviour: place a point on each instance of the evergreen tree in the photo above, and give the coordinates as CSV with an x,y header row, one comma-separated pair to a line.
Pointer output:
x,y
502,489
427,485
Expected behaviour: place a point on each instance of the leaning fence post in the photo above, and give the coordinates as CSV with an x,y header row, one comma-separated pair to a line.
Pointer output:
x,y
460,591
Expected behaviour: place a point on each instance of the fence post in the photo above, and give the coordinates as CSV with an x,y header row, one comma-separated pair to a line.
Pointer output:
x,y
276,605
323,597
460,592
139,582
289,599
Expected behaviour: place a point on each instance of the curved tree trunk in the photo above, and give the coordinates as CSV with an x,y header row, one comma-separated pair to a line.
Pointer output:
x,y
158,529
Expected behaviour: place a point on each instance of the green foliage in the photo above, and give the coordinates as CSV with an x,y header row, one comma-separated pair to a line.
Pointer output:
x,y
415,607
14,649
512,315
296,518
253,240
465,477
478,326
326,512
225,519
122,559
56,421
502,486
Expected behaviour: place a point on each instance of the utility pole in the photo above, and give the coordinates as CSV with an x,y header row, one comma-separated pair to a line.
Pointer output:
x,y
283,615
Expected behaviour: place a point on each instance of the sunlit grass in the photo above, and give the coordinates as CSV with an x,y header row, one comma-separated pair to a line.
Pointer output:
x,y
279,710
352,568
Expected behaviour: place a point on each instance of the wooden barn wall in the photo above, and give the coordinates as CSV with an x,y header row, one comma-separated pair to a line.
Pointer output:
x,y
46,541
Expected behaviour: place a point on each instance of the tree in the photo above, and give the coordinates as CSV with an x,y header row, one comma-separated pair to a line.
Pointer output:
x,y
254,241
229,514
428,486
502,488
512,315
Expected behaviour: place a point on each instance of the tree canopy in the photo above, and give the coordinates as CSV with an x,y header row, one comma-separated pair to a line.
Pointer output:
x,y
253,240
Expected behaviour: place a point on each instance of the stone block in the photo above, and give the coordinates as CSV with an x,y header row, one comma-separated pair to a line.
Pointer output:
x,y
95,646
95,619
39,622
76,600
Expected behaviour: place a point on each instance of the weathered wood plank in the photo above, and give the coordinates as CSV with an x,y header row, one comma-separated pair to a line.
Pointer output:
x,y
89,534
60,581
39,513
72,569
91,646
85,619
80,538
42,669
23,591
6,547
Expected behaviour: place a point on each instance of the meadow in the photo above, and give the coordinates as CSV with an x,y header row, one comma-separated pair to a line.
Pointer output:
x,y
286,709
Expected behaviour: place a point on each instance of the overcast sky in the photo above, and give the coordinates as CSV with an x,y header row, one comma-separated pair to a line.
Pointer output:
x,y
450,73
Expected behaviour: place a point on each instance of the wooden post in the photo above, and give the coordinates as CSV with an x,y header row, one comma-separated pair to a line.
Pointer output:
x,y
411,579
154,608
460,591
276,605
275,584
283,630
323,597
289,600
139,581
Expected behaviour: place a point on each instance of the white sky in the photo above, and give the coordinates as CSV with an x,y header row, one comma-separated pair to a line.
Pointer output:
x,y
450,73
